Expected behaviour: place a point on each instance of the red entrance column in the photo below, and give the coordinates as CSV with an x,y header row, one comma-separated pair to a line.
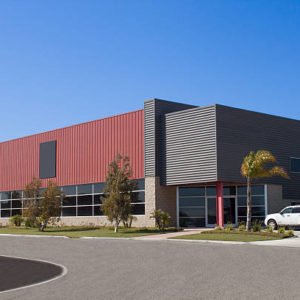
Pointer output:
x,y
220,205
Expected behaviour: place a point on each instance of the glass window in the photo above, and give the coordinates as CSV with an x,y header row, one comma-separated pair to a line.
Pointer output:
x,y
287,211
98,187
192,191
16,212
242,201
229,191
16,195
5,195
192,222
137,197
16,204
242,190
5,213
258,200
257,190
242,211
295,165
85,211
211,191
69,211
84,189
97,199
138,209
69,190
97,210
258,211
195,201
296,210
192,212
140,184
85,200
5,204
69,201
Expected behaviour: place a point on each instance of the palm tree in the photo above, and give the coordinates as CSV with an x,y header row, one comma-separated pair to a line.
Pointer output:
x,y
253,167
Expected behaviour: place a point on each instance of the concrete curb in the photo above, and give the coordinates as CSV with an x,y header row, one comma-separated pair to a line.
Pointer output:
x,y
34,235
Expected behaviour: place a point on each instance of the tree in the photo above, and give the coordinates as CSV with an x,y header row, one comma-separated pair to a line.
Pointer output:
x,y
254,167
117,191
162,219
45,208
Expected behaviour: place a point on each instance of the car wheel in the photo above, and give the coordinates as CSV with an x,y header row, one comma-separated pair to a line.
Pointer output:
x,y
272,223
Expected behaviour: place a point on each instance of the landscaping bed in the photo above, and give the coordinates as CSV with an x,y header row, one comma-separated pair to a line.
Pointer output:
x,y
84,231
235,235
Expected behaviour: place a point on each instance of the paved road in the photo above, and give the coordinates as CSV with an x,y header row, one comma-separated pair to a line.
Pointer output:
x,y
15,272
131,269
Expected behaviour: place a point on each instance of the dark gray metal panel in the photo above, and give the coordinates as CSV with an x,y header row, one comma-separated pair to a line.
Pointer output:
x,y
47,166
189,143
154,110
240,131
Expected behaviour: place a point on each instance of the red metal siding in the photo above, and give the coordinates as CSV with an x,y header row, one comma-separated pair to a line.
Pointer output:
x,y
83,151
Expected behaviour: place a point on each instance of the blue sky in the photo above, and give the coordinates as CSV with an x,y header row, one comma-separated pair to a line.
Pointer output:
x,y
64,62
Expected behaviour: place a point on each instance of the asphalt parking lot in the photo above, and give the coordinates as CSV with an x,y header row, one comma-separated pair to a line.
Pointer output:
x,y
131,269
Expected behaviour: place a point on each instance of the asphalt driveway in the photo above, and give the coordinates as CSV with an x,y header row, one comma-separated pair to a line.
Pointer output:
x,y
133,269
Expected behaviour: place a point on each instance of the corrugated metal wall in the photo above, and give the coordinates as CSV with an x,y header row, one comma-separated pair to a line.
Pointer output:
x,y
83,151
189,145
240,131
154,113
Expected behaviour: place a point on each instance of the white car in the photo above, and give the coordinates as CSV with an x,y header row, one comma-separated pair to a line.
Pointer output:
x,y
289,216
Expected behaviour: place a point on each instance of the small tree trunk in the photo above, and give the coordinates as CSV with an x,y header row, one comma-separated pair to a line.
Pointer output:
x,y
248,224
116,226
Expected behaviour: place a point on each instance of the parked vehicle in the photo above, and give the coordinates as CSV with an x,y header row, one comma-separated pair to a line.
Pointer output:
x,y
289,216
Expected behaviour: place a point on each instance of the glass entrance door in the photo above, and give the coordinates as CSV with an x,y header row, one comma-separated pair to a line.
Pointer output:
x,y
229,210
211,214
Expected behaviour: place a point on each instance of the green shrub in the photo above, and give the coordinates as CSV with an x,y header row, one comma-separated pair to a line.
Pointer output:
x,y
281,230
242,227
229,227
256,226
290,233
162,219
16,220
269,229
28,223
218,228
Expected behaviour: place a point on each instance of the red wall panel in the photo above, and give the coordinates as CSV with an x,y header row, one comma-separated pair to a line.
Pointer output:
x,y
83,152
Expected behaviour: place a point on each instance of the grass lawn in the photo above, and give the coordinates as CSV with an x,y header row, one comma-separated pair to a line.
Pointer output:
x,y
237,236
77,232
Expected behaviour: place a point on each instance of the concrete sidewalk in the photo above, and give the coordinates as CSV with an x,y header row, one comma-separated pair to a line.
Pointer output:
x,y
165,236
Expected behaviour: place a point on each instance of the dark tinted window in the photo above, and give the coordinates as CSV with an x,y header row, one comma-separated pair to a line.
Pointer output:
x,y
296,210
47,160
98,187
242,190
287,211
69,201
16,194
295,165
138,197
16,212
85,211
211,191
85,200
192,191
97,199
5,204
69,211
257,190
138,209
69,190
229,190
140,184
192,201
192,222
16,204
5,213
5,195
84,189
98,211
242,201
192,212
